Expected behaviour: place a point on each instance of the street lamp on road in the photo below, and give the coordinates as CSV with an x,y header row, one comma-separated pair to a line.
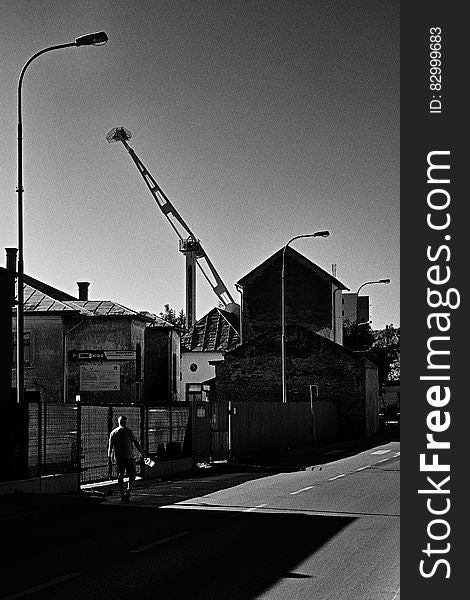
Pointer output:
x,y
91,39
357,305
283,307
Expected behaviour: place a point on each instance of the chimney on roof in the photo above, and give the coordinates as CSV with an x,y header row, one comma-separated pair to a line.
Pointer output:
x,y
83,290
11,259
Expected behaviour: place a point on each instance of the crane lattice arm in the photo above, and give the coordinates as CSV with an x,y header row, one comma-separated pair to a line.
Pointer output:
x,y
189,244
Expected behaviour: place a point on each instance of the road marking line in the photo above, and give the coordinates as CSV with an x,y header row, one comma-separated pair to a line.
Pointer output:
x,y
397,454
396,594
305,489
337,477
42,586
383,460
253,508
381,452
362,468
153,544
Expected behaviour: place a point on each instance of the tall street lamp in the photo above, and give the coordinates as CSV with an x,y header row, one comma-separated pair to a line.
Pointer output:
x,y
91,39
357,305
283,307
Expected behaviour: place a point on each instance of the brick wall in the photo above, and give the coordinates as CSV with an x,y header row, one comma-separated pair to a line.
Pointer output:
x,y
253,372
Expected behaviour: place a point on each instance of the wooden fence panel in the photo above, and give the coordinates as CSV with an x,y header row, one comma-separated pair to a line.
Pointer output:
x,y
325,420
219,431
201,431
264,426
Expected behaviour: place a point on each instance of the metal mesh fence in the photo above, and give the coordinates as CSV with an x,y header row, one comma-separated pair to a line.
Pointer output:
x,y
59,449
94,441
180,443
34,440
64,438
158,431
167,434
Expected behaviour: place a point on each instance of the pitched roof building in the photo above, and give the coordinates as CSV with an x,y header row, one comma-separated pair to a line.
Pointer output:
x,y
95,350
311,297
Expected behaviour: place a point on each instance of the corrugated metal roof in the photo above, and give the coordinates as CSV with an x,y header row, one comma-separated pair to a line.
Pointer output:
x,y
48,290
42,298
37,301
106,308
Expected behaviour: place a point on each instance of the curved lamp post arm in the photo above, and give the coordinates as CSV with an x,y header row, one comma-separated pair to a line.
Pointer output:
x,y
369,282
92,39
357,305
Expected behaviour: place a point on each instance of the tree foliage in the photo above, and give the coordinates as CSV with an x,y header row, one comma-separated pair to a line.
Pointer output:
x,y
383,343
357,336
387,345
171,316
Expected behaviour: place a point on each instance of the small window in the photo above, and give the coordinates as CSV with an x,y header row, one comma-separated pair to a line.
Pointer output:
x,y
194,392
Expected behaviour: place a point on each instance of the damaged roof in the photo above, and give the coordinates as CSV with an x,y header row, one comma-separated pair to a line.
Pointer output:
x,y
217,331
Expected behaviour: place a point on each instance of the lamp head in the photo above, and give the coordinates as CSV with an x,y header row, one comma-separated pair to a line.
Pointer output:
x,y
384,280
321,234
92,39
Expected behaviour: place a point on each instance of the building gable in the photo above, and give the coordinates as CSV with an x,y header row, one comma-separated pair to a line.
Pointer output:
x,y
308,295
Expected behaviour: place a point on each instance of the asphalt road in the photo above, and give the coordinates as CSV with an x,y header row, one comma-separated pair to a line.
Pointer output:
x,y
327,533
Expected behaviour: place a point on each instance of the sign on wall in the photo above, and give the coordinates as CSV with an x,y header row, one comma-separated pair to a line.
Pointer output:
x,y
100,378
102,354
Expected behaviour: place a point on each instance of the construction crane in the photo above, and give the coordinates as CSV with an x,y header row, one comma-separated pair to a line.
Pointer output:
x,y
189,245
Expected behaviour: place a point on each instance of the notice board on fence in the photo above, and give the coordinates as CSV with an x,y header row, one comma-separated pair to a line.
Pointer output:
x,y
100,378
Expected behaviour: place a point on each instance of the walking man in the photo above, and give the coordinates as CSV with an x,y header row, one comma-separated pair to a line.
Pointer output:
x,y
122,441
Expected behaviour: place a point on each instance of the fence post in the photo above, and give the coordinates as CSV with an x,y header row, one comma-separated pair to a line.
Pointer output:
x,y
170,442
143,441
40,433
79,441
229,428
145,433
110,419
312,410
44,437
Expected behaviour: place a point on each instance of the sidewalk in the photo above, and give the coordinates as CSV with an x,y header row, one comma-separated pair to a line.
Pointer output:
x,y
295,459
21,507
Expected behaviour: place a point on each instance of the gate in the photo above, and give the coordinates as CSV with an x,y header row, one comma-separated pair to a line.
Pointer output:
x,y
219,431
209,423
200,430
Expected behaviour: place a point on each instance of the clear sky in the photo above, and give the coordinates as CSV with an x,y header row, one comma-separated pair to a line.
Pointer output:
x,y
261,120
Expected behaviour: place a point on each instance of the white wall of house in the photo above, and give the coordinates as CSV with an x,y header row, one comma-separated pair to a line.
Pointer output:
x,y
337,333
195,367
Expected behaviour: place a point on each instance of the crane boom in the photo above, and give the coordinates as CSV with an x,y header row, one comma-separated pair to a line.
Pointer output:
x,y
189,245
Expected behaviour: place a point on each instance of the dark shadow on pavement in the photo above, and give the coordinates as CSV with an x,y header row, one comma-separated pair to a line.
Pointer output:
x,y
138,553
